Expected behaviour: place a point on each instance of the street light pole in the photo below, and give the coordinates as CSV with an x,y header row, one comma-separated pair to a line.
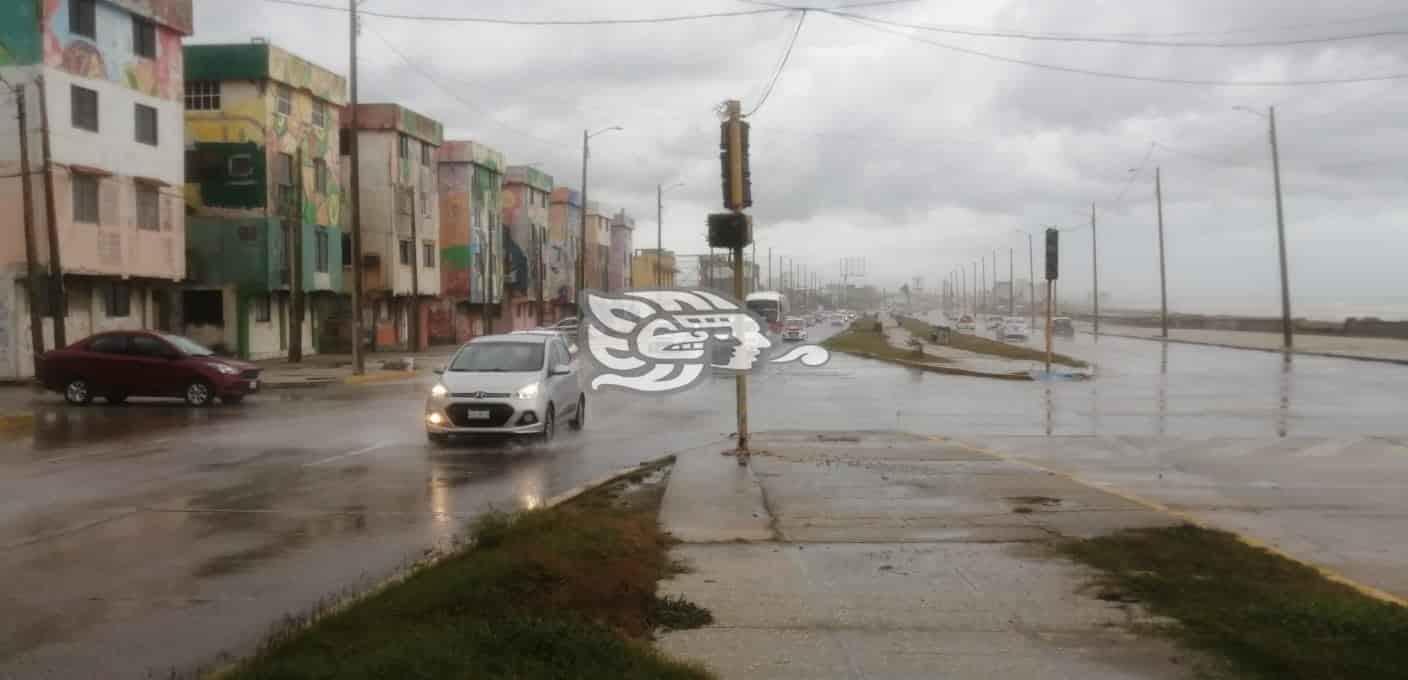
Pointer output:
x,y
1011,282
1286,327
1163,273
359,360
659,231
1031,278
582,232
1095,270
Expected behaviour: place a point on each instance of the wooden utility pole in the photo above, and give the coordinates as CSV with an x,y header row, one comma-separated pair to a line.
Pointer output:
x,y
489,283
359,365
414,325
293,226
31,254
1095,270
1163,280
58,298
538,239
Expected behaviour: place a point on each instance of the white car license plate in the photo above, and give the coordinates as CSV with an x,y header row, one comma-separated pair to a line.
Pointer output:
x,y
254,384
476,415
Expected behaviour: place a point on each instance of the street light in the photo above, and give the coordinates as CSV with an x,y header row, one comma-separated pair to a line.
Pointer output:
x,y
1286,330
660,226
582,248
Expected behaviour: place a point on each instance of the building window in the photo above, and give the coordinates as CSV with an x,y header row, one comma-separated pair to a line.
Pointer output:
x,y
407,252
262,311
344,142
283,181
347,250
320,176
428,254
85,198
85,108
320,113
425,154
83,18
320,251
425,203
405,147
143,37
117,298
285,96
202,95
148,207
241,166
146,124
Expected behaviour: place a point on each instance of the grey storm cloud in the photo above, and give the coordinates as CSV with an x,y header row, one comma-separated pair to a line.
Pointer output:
x,y
874,144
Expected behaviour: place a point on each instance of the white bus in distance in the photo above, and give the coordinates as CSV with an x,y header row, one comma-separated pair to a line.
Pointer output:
x,y
770,305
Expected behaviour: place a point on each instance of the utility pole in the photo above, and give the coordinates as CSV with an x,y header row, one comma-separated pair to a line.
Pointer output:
x,y
582,256
293,226
489,288
31,254
58,297
538,237
1095,270
1011,282
415,272
659,232
770,284
737,196
359,365
1163,275
1031,278
1286,324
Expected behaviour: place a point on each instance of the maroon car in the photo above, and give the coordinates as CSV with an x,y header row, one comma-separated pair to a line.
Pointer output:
x,y
124,364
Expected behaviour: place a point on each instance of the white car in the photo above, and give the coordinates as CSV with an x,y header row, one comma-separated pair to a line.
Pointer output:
x,y
1015,328
966,324
517,384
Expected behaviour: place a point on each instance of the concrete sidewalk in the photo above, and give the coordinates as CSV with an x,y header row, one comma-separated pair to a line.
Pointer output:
x,y
325,369
889,556
1389,350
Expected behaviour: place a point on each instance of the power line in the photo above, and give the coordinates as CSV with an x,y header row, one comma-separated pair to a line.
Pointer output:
x,y
1260,28
1135,174
869,23
781,65
531,22
1050,37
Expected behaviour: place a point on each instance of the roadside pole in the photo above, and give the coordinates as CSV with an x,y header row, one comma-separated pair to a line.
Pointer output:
x,y
1163,280
359,360
1094,270
1048,326
1011,282
734,230
293,223
1287,326
1053,251
31,255
58,297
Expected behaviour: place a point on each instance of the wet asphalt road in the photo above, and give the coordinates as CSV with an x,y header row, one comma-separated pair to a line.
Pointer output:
x,y
152,538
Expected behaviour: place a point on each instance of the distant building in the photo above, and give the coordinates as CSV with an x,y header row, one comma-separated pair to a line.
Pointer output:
x,y
263,175
618,272
400,215
111,75
651,268
472,272
526,196
598,246
564,245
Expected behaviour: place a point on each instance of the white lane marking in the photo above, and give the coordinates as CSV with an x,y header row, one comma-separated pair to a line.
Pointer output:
x,y
349,454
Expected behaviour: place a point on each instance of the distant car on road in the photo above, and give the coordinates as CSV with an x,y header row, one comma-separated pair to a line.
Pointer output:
x,y
994,323
1015,328
966,324
1062,325
516,384
795,329
122,364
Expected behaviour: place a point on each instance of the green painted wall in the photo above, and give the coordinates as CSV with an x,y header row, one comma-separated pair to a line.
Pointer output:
x,y
227,62
249,253
19,33
211,163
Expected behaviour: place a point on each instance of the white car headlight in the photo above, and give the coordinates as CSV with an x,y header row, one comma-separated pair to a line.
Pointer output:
x,y
439,391
226,369
527,392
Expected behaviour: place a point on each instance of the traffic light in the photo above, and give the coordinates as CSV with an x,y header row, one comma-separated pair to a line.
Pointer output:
x,y
1052,253
733,159
730,230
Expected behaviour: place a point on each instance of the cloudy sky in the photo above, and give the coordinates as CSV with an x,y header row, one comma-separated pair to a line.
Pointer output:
x,y
923,159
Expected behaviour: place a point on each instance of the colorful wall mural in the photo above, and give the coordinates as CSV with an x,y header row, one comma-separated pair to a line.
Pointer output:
x,y
471,180
110,56
19,34
564,220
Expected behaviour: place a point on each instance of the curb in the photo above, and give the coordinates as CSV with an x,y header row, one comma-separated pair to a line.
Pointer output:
x,y
343,603
1327,355
940,369
1330,574
372,378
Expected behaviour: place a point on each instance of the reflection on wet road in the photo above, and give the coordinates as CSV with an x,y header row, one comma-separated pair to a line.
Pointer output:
x,y
153,537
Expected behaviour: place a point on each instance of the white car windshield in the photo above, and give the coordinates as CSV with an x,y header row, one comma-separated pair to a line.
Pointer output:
x,y
498,357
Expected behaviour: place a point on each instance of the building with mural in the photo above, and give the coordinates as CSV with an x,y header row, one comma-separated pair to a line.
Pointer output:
x,y
598,245
470,179
564,244
526,219
400,214
263,187
618,271
102,84
651,268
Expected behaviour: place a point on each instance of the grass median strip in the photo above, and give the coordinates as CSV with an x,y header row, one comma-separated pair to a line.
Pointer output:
x,y
861,338
978,345
567,592
1262,615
